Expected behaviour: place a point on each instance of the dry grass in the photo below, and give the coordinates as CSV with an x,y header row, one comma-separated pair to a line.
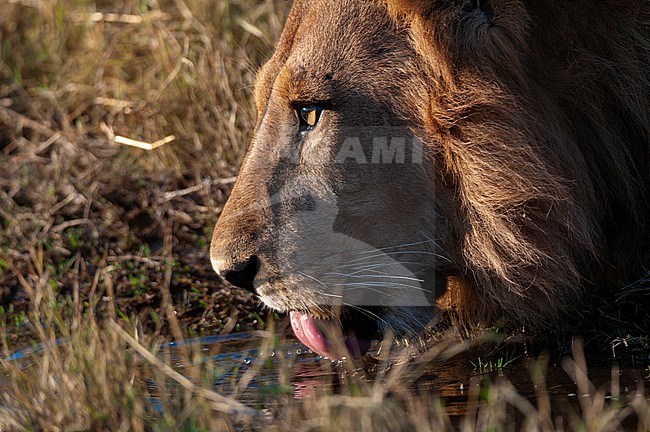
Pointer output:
x,y
75,79
104,246
106,375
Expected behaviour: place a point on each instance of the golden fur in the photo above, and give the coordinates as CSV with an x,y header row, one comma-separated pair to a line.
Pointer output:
x,y
533,190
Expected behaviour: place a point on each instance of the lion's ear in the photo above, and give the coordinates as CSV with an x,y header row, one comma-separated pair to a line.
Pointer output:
x,y
424,7
408,7
479,32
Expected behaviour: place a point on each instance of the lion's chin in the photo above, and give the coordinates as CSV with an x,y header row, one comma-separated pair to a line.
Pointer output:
x,y
326,337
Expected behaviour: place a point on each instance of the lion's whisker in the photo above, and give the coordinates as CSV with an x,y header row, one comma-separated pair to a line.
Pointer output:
x,y
359,285
403,253
366,312
400,246
380,265
327,294
381,275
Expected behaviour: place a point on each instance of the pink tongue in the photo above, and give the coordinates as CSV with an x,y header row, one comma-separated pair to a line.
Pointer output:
x,y
305,328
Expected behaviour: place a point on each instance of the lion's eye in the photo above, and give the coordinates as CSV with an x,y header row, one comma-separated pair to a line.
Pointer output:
x,y
309,117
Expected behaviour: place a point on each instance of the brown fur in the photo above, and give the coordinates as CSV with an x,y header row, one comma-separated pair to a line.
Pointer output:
x,y
535,117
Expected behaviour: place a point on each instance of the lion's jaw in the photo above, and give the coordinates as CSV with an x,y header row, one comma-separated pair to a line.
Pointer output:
x,y
335,224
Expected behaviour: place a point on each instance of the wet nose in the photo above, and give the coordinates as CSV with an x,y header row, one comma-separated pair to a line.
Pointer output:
x,y
242,274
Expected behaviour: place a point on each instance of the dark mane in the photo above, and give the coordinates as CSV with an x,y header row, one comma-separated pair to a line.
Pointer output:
x,y
542,115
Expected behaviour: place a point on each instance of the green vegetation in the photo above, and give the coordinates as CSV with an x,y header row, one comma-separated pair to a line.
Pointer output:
x,y
104,247
496,365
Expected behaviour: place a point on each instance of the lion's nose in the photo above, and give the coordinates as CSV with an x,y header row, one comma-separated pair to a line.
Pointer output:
x,y
242,274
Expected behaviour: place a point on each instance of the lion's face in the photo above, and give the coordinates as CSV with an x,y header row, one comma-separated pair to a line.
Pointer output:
x,y
333,213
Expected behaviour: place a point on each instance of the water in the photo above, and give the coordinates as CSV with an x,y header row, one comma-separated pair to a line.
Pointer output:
x,y
250,368
291,368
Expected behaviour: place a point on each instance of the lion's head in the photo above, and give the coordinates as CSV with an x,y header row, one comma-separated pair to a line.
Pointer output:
x,y
492,154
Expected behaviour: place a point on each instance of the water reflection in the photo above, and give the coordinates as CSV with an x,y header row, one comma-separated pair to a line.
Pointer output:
x,y
290,368
260,369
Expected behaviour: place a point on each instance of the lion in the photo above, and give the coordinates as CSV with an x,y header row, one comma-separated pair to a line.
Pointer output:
x,y
489,158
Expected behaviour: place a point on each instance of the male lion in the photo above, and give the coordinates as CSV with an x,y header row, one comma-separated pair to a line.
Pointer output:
x,y
491,155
